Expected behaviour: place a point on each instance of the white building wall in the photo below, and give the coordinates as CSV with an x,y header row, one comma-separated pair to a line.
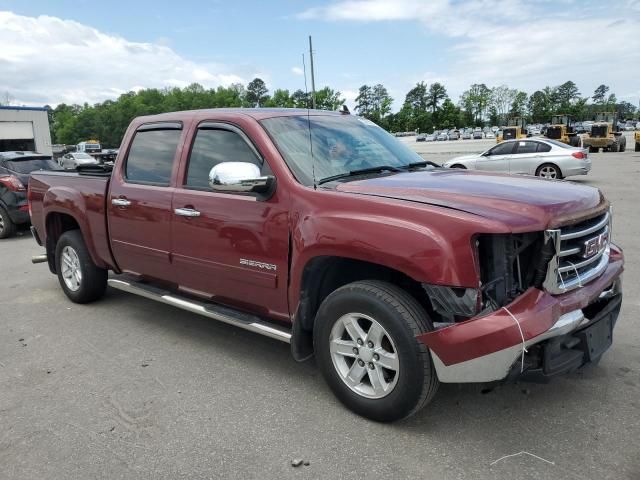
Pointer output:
x,y
39,119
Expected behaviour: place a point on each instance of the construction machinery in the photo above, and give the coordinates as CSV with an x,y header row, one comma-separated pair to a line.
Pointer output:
x,y
605,134
562,130
516,128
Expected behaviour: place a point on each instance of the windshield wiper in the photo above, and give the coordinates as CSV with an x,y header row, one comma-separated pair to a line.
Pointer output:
x,y
361,171
425,163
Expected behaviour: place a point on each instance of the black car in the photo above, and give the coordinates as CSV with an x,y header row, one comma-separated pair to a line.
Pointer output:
x,y
15,168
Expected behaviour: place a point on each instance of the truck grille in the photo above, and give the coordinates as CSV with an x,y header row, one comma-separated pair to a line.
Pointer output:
x,y
581,253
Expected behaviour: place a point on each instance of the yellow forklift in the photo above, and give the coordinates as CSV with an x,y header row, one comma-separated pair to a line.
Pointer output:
x,y
562,130
605,134
516,128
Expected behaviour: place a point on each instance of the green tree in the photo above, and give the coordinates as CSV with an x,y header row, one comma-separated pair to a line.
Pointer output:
x,y
600,93
437,94
475,101
328,99
256,94
519,105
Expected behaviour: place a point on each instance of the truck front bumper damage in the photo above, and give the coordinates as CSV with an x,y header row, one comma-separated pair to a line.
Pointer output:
x,y
558,333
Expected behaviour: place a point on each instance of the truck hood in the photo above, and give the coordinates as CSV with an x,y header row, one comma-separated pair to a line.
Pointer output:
x,y
521,203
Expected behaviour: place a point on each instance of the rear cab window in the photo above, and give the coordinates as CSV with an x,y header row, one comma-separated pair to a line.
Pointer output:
x,y
151,155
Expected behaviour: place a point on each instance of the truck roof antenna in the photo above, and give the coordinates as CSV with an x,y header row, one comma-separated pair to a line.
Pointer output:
x,y
313,163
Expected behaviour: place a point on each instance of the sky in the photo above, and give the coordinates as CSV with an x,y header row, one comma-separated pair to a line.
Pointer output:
x,y
77,51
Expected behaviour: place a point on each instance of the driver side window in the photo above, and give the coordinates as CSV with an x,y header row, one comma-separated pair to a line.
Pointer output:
x,y
212,147
502,149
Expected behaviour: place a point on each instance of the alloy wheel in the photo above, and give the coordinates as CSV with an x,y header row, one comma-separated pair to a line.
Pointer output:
x,y
71,272
364,355
548,172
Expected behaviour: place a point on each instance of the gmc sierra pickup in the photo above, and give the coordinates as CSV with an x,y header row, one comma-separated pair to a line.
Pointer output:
x,y
321,230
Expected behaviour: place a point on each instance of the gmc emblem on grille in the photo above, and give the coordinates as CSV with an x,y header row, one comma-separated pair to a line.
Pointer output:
x,y
594,245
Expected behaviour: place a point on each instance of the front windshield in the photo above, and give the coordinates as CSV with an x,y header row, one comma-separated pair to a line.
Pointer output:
x,y
340,144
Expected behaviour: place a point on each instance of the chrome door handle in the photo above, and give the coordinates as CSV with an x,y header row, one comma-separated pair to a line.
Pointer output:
x,y
186,212
120,202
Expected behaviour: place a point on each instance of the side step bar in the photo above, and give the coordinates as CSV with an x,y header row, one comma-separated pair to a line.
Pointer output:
x,y
216,312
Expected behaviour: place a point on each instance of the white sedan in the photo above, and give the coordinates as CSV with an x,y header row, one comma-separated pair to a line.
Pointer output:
x,y
534,156
72,160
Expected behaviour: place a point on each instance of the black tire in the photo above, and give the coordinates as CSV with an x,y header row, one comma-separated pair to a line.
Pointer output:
x,y
614,147
637,149
457,165
7,227
623,144
93,281
403,318
549,166
593,149
574,141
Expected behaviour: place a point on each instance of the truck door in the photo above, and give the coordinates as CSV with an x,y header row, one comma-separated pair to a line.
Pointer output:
x,y
139,202
231,246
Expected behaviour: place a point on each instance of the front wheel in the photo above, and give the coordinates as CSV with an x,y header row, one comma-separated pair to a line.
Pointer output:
x,y
81,280
366,347
549,170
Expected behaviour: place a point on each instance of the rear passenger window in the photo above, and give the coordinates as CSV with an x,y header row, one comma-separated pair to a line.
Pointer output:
x,y
212,147
526,147
543,147
151,156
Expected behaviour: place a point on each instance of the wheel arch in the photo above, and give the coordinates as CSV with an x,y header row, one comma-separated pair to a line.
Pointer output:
x,y
322,275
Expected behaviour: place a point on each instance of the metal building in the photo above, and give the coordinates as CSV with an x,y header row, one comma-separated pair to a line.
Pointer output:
x,y
25,128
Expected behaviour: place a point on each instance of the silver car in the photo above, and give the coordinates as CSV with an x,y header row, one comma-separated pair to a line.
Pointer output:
x,y
534,156
71,161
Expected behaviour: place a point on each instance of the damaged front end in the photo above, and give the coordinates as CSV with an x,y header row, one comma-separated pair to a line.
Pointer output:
x,y
546,304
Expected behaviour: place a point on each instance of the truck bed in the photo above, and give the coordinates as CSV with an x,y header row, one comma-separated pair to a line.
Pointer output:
x,y
58,196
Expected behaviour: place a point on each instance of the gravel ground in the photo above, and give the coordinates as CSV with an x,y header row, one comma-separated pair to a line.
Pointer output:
x,y
127,388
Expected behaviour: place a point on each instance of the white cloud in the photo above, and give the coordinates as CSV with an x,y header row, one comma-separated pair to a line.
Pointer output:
x,y
297,71
514,42
50,60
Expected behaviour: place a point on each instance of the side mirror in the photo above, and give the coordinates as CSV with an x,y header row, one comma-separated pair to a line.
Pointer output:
x,y
239,177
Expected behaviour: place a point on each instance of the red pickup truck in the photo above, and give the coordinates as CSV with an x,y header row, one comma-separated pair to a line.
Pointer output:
x,y
322,230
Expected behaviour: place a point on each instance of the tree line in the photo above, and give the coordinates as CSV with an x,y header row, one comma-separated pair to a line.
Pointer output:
x,y
425,107
107,121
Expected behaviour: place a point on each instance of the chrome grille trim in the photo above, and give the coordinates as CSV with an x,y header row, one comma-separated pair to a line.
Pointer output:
x,y
567,270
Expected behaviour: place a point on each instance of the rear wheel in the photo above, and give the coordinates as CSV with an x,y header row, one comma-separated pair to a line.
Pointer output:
x,y
574,141
7,227
637,149
614,147
623,144
549,170
80,278
457,165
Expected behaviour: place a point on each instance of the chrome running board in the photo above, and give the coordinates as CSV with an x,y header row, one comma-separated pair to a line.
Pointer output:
x,y
210,310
